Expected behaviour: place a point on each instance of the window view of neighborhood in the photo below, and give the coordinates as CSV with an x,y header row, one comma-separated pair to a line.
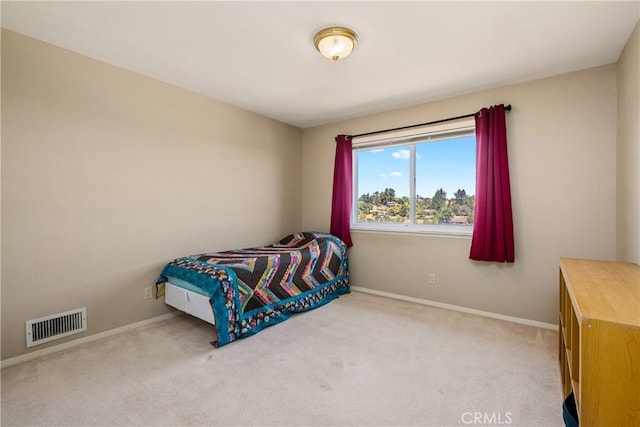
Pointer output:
x,y
443,182
384,206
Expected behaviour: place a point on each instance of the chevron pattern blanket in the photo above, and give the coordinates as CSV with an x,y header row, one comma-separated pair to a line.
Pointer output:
x,y
250,289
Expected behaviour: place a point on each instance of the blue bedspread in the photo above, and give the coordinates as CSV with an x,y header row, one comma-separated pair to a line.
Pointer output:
x,y
250,289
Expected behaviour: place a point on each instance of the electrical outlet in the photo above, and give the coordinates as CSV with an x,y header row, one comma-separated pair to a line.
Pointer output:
x,y
148,292
432,279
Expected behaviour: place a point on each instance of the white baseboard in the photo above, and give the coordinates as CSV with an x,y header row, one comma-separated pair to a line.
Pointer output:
x,y
519,320
84,340
70,344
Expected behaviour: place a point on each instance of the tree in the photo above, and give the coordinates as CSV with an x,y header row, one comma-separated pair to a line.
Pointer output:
x,y
460,196
439,199
375,198
366,198
471,202
364,207
388,195
444,216
404,209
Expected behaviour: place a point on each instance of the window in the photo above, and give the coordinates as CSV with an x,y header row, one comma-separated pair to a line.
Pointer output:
x,y
418,181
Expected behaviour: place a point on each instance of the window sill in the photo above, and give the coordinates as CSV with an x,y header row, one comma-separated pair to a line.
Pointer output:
x,y
453,232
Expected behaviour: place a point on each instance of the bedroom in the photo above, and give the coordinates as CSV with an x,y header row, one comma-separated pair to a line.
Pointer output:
x,y
151,172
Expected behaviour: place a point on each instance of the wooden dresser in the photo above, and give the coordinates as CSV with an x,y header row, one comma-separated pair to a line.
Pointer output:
x,y
600,340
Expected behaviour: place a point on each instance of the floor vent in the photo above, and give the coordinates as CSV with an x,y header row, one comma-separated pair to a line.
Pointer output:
x,y
56,326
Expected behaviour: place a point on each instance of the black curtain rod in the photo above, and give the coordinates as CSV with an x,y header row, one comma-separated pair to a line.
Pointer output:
x,y
506,107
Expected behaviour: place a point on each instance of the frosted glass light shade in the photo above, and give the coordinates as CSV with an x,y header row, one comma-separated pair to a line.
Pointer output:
x,y
335,42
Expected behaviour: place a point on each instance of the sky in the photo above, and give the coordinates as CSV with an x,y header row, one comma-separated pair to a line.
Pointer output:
x,y
449,164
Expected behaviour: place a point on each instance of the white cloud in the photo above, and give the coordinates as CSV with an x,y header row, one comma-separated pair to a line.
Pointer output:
x,y
395,174
404,155
377,150
401,154
382,175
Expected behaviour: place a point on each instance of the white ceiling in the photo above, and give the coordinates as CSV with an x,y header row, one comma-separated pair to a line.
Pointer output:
x,y
260,55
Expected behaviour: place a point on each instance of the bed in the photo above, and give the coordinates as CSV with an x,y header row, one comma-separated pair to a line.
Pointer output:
x,y
243,291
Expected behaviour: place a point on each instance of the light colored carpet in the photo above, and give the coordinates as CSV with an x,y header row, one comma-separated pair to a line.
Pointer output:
x,y
362,360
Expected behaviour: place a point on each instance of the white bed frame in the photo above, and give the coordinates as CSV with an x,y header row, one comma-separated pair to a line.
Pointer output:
x,y
188,301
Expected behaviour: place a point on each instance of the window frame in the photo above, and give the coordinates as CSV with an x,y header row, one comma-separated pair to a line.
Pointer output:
x,y
410,138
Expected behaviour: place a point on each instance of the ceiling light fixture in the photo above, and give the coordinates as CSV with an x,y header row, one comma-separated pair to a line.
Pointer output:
x,y
335,42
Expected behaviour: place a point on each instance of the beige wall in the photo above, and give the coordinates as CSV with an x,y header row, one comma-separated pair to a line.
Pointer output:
x,y
562,148
107,175
628,194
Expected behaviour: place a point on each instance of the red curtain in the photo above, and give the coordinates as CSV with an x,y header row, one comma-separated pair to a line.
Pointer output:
x,y
493,222
342,191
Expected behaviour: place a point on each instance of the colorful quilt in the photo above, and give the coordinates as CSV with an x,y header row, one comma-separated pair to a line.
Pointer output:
x,y
250,289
